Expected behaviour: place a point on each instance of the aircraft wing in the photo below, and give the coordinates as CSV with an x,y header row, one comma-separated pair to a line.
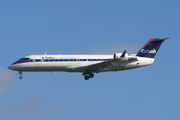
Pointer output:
x,y
97,67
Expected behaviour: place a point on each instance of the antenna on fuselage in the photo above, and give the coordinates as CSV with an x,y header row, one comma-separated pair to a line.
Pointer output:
x,y
45,53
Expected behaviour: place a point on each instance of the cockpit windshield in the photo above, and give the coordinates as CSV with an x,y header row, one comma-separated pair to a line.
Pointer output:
x,y
24,59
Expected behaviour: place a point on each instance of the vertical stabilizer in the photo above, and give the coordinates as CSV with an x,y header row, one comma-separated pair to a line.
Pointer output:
x,y
151,48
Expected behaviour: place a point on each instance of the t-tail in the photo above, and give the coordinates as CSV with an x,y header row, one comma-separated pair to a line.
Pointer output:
x,y
151,48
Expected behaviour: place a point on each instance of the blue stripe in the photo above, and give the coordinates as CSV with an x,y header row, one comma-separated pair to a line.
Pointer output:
x,y
61,60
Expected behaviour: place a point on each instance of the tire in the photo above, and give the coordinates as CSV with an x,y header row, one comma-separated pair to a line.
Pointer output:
x,y
20,77
86,77
91,75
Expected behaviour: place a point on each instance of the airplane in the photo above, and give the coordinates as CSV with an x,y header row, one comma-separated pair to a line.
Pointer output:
x,y
89,64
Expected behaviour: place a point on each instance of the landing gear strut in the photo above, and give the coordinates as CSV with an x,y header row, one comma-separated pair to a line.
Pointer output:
x,y
88,75
20,77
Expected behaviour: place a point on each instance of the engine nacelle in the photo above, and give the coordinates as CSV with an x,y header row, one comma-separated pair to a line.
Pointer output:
x,y
118,56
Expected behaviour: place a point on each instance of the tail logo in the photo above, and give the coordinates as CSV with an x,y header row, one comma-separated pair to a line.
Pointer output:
x,y
148,51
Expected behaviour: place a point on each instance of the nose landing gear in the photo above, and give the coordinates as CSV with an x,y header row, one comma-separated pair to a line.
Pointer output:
x,y
20,77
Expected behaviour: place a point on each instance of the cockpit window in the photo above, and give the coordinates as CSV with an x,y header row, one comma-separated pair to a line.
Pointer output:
x,y
24,59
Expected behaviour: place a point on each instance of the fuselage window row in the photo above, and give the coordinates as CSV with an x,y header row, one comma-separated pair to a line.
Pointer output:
x,y
57,60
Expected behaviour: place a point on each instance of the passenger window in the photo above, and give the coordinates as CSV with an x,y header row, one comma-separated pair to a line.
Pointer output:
x,y
46,60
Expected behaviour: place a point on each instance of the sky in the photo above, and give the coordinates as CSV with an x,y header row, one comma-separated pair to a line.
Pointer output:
x,y
89,27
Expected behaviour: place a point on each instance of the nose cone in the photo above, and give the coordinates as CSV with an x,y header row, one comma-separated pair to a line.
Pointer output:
x,y
10,67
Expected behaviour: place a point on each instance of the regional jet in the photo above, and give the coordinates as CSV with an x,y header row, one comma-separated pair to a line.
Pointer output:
x,y
89,64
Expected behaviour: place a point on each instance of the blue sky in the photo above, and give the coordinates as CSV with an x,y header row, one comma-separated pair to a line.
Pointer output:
x,y
92,27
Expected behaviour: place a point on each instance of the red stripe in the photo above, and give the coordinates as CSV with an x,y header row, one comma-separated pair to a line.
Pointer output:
x,y
149,42
124,51
19,63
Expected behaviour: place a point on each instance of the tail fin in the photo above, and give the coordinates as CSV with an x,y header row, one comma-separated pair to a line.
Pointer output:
x,y
151,48
123,54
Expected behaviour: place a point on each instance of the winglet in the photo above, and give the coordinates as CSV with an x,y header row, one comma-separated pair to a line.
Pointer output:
x,y
123,54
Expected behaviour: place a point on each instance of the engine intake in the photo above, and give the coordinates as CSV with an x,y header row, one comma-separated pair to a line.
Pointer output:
x,y
118,56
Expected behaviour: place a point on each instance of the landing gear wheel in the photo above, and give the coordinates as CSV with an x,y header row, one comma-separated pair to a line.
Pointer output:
x,y
86,77
91,75
20,77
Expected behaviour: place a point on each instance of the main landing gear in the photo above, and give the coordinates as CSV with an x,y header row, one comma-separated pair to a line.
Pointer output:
x,y
88,75
20,77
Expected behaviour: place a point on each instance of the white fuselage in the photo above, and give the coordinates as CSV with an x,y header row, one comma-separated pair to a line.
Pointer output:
x,y
70,63
89,64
